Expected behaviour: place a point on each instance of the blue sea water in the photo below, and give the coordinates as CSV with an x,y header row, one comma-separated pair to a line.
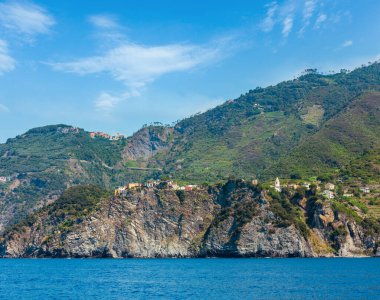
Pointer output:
x,y
190,279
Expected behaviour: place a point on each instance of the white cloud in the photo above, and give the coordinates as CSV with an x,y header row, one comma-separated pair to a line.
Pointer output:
x,y
287,26
307,14
7,63
106,102
138,65
25,18
103,21
269,21
321,19
308,10
3,108
294,15
347,43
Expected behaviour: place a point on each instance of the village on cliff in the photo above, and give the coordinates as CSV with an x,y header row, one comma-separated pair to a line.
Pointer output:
x,y
328,190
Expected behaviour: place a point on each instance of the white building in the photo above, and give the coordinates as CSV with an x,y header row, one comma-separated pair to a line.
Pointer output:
x,y
329,186
365,190
277,185
328,194
3,179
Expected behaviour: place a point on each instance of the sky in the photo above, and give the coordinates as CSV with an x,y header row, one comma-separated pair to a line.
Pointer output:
x,y
115,65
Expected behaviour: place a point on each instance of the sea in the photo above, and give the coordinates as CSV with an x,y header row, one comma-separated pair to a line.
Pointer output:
x,y
294,278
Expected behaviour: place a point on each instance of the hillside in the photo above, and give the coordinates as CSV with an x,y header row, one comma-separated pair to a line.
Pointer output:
x,y
45,161
313,126
246,137
349,142
235,219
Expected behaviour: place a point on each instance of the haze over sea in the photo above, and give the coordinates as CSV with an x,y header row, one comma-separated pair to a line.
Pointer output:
x,y
190,279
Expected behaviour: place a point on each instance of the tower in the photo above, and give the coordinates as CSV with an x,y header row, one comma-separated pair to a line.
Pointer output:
x,y
277,185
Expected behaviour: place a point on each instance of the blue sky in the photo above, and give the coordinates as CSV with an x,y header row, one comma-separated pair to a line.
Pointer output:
x,y
116,65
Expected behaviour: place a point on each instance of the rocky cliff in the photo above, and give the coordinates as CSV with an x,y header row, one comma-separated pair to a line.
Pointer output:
x,y
231,220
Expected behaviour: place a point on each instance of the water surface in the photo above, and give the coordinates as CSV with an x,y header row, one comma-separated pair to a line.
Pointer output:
x,y
190,278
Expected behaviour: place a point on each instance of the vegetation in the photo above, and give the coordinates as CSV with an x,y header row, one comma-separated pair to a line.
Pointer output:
x,y
315,125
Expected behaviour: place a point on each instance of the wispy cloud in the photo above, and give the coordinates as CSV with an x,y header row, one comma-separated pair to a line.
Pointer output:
x,y
347,43
320,20
279,14
137,65
106,101
308,11
25,18
269,21
7,63
290,14
103,21
287,26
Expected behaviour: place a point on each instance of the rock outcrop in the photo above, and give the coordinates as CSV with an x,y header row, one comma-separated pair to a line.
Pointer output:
x,y
234,220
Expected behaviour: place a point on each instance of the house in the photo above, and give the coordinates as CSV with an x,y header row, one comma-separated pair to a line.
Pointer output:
x,y
151,183
348,195
306,185
117,137
3,179
133,185
174,186
277,185
190,187
329,186
120,190
365,190
255,182
293,186
100,134
328,194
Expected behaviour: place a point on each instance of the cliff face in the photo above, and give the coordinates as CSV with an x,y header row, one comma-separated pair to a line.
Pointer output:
x,y
147,142
236,220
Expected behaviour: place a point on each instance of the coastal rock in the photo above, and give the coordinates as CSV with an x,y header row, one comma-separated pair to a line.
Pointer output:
x,y
225,221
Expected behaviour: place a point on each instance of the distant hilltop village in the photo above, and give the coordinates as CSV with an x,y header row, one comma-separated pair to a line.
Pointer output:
x,y
107,136
93,134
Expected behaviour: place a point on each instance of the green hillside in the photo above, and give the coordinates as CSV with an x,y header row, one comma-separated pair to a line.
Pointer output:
x,y
315,125
45,161
350,143
247,137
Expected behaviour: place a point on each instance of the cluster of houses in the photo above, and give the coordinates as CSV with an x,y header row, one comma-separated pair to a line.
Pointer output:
x,y
107,136
328,191
258,106
167,184
5,179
